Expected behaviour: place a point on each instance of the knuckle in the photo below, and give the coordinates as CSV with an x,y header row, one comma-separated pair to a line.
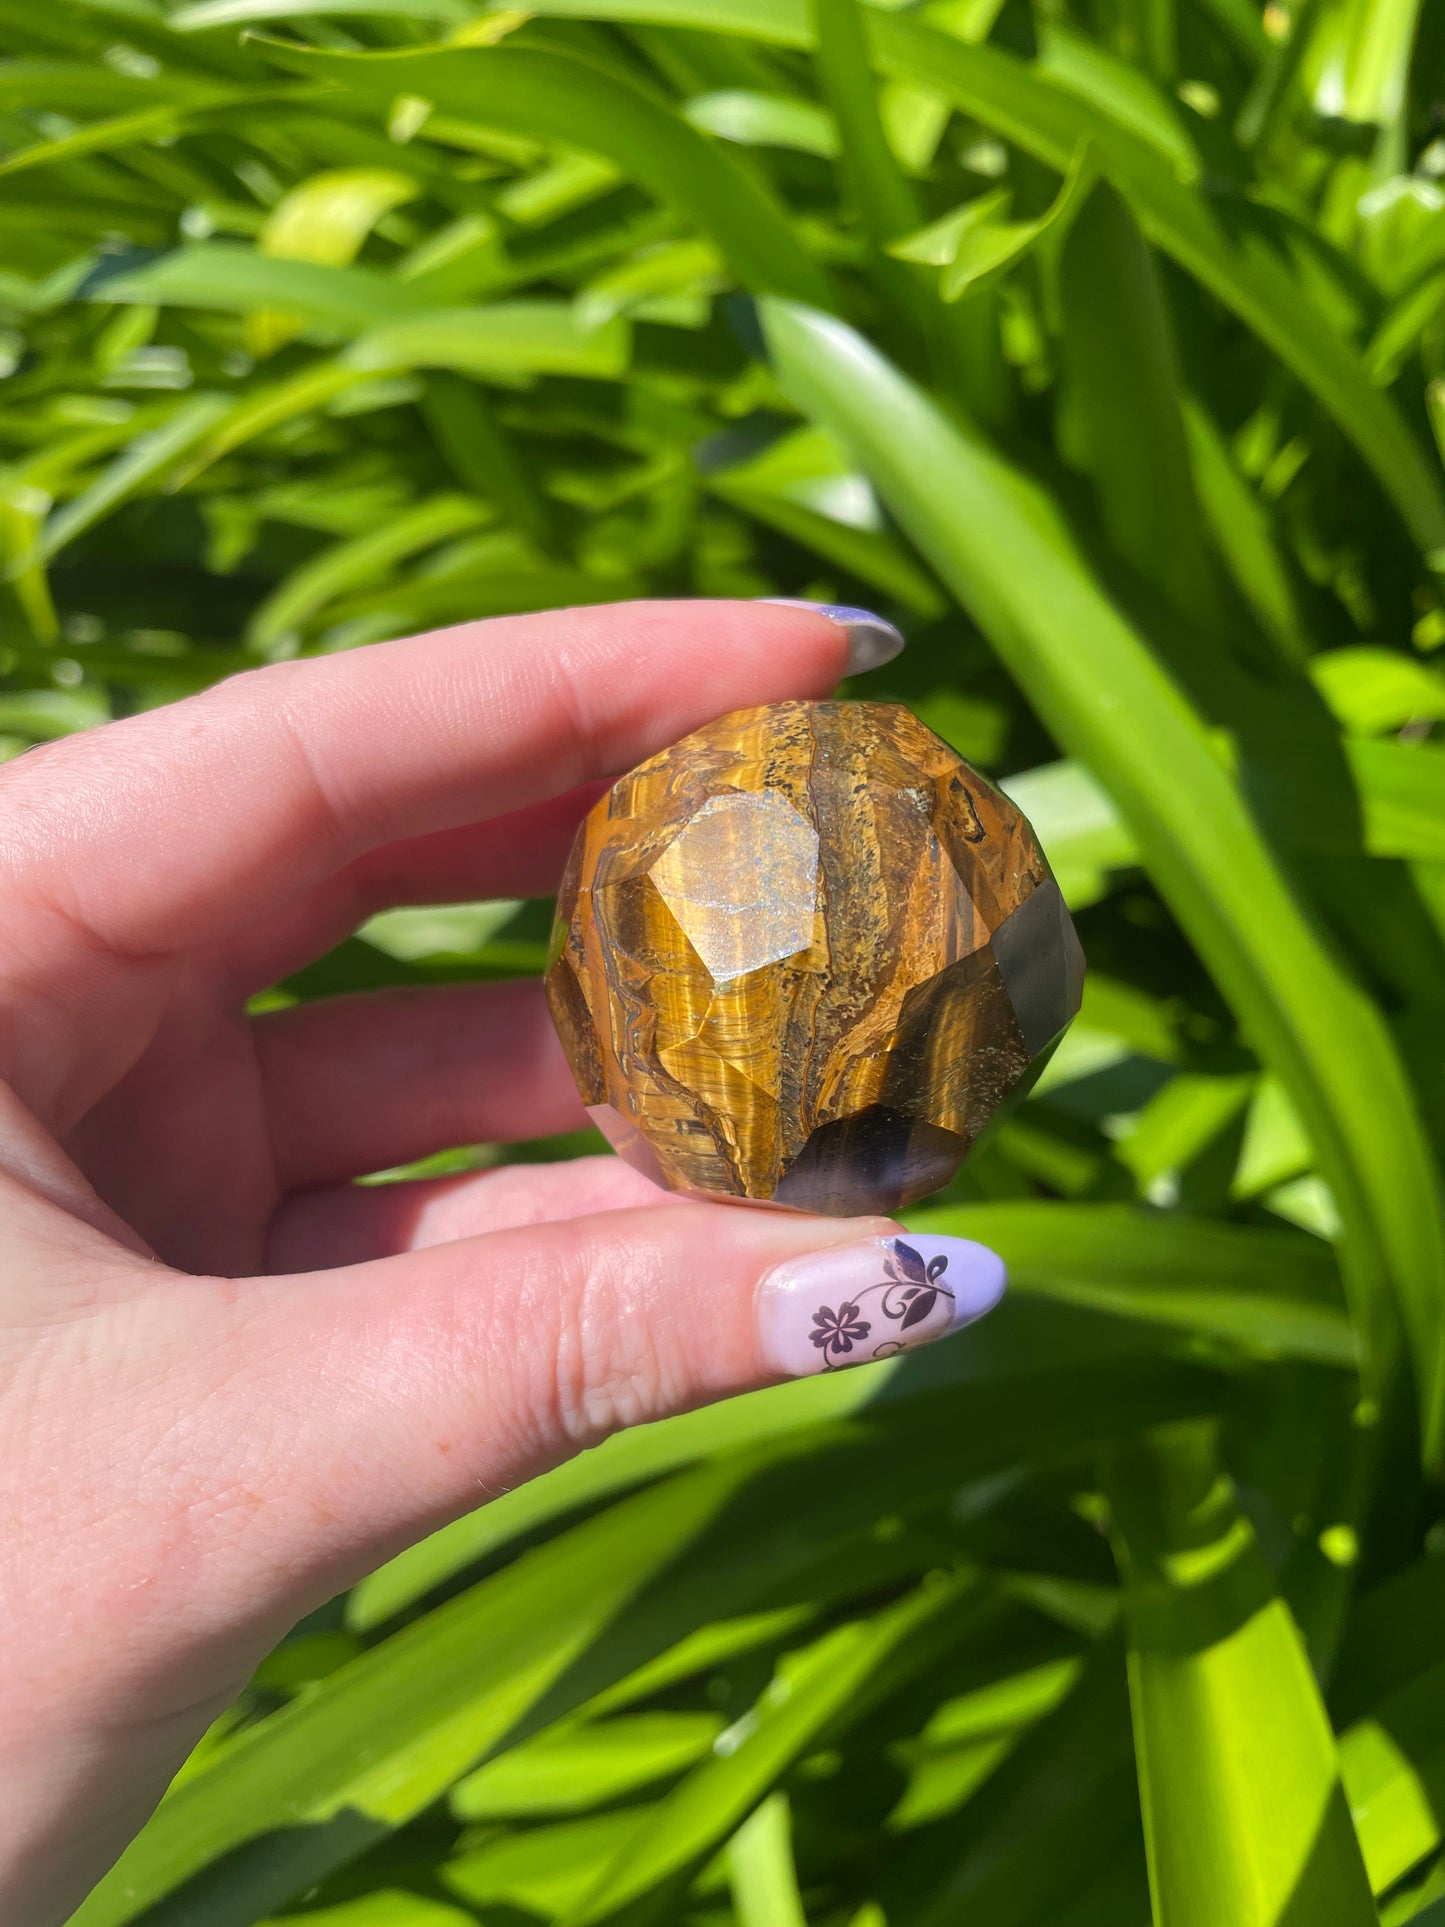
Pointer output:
x,y
607,1369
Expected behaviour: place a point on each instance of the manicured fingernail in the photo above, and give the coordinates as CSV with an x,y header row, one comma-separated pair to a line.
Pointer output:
x,y
859,1302
871,640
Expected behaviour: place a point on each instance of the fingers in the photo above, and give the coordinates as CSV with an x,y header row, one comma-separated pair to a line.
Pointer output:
x,y
386,1397
357,1084
251,1447
182,826
521,854
345,1224
179,831
403,1391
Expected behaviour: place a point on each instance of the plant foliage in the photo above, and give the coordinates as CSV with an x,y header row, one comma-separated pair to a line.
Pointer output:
x,y
1102,344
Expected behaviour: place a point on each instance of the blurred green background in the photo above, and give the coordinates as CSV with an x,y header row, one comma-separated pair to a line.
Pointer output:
x,y
1101,343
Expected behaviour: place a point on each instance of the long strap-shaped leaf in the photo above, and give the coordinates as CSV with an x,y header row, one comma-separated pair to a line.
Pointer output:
x,y
760,1868
1230,257
528,91
1244,1816
998,540
828,1688
1237,265
306,1790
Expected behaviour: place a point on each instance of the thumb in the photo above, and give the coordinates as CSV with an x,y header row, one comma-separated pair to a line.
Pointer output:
x,y
406,1390
251,1447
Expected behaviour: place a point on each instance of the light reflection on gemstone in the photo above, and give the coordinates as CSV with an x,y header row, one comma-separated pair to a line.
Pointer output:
x,y
740,880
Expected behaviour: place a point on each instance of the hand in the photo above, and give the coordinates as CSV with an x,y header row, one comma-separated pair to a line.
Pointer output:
x,y
230,1381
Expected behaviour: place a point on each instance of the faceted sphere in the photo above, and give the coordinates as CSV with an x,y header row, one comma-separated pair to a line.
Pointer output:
x,y
804,955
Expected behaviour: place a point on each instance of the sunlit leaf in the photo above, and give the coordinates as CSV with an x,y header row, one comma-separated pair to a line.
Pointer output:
x,y
508,338
829,1684
1237,265
1244,1815
574,1768
590,107
761,1873
1001,544
764,120
325,219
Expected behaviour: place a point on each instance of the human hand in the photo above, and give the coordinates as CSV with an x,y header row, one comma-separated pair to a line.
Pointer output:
x,y
230,1381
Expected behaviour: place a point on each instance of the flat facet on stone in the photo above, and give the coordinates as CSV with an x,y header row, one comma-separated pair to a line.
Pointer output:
x,y
804,956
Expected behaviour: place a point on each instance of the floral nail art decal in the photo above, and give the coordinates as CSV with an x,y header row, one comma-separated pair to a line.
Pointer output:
x,y
833,1309
910,1292
839,1331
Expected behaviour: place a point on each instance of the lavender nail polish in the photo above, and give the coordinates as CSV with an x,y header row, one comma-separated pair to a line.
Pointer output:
x,y
855,1303
871,640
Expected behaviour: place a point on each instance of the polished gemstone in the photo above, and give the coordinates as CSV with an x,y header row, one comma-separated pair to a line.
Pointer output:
x,y
804,956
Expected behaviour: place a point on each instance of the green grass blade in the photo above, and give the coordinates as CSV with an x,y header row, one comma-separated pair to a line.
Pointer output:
x,y
1236,264
783,22
1121,91
69,87
1235,261
997,539
824,1689
1057,1811
207,14
1269,1291
507,338
389,1733
871,555
313,386
239,280
1124,403
23,581
1378,61
1271,97
299,597
1244,537
327,218
577,1767
764,120
1400,789
886,203
149,457
761,1873
377,1742
553,96
1244,1816
541,1872
146,124
1393,1766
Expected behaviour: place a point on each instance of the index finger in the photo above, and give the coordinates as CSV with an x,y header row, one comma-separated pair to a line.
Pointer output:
x,y
176,828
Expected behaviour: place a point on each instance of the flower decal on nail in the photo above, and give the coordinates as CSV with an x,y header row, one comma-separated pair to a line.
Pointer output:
x,y
911,1288
852,1303
838,1331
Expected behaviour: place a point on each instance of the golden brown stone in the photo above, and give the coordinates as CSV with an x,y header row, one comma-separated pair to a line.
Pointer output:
x,y
804,955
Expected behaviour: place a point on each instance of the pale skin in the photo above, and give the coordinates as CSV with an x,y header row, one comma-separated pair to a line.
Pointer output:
x,y
231,1382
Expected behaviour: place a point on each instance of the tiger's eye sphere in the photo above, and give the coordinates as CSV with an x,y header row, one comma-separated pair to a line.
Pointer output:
x,y
804,955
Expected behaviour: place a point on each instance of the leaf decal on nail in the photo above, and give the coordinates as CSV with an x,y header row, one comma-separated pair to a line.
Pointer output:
x,y
923,1301
910,1262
